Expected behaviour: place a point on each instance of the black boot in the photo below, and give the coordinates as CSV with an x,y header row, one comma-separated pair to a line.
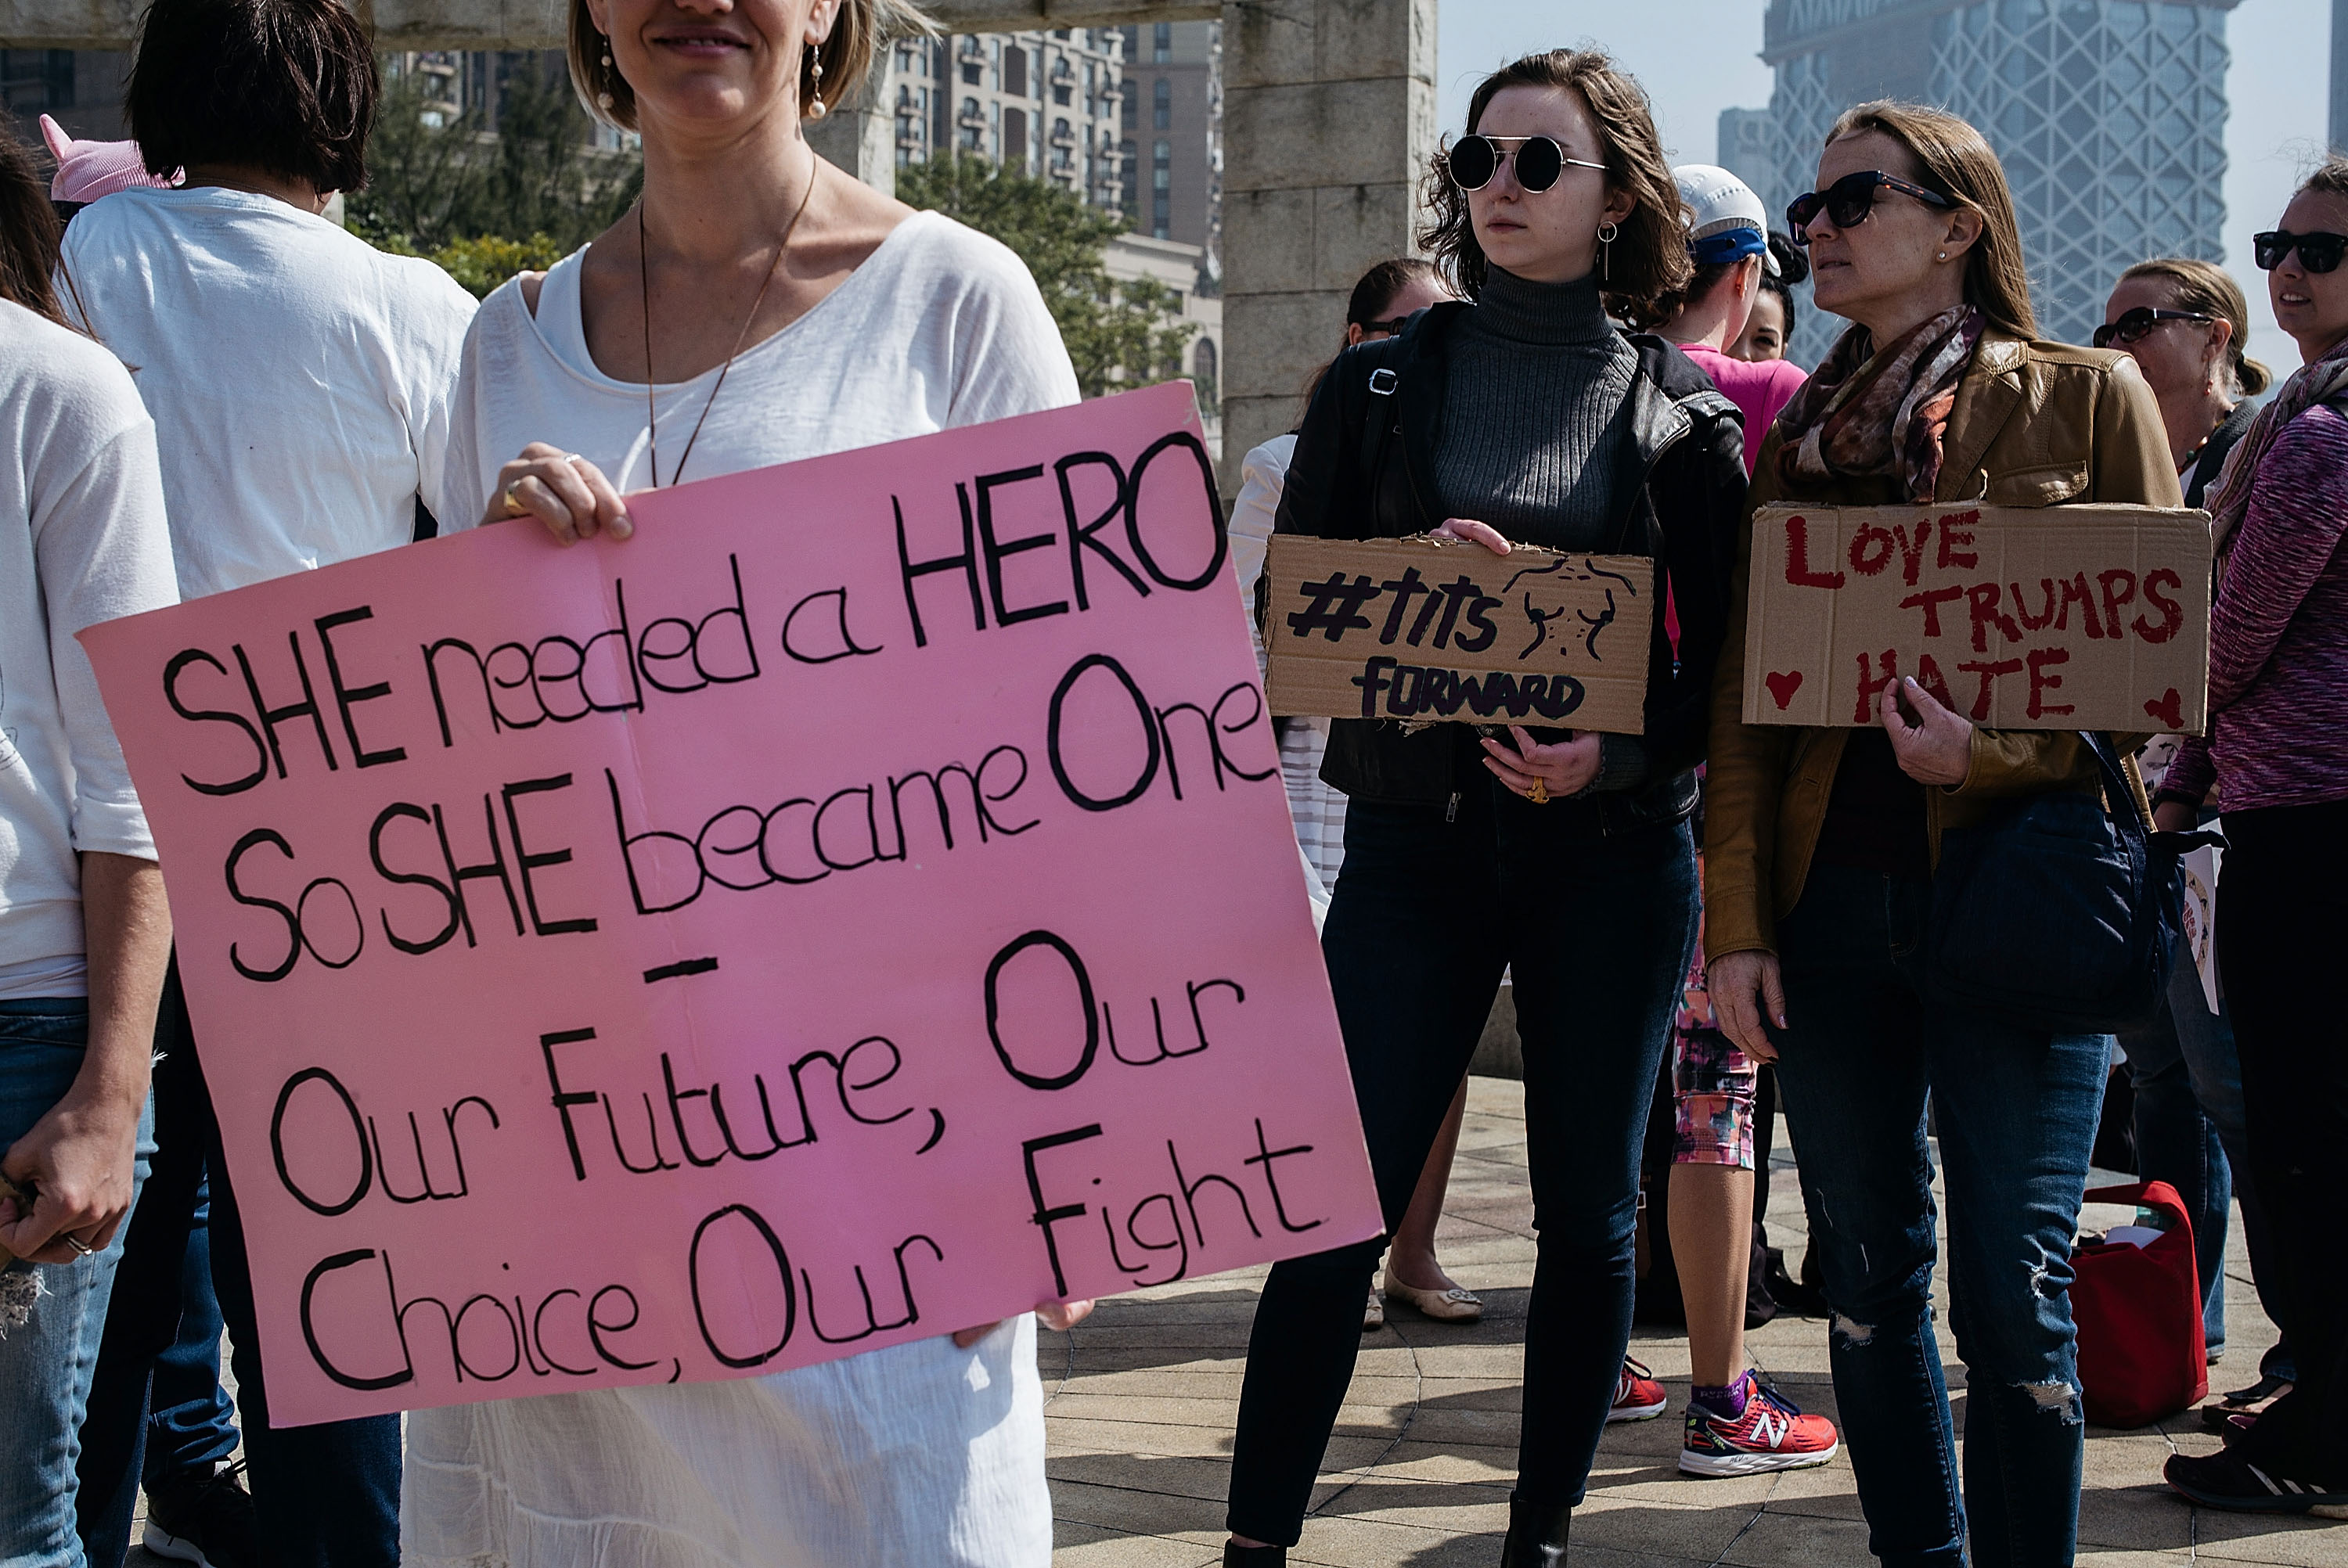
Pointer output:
x,y
1238,1556
1537,1533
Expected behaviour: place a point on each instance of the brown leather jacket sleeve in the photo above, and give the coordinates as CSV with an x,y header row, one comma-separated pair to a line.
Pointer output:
x,y
2128,465
1746,773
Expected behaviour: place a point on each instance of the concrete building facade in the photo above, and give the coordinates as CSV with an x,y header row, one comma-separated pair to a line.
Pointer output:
x,y
1044,102
2108,114
1171,129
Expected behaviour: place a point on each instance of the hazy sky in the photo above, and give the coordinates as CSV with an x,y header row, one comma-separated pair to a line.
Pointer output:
x,y
1697,58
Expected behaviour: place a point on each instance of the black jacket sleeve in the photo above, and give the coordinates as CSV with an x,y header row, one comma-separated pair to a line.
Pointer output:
x,y
1698,493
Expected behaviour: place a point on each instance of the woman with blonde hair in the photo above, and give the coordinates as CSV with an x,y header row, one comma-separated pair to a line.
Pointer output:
x,y
1518,413
755,306
1821,844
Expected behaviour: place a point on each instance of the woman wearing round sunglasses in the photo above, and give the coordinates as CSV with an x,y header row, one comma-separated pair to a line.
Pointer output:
x,y
1518,413
1820,845
2277,752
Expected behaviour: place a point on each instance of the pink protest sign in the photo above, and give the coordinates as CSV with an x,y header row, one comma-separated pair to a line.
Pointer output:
x,y
862,905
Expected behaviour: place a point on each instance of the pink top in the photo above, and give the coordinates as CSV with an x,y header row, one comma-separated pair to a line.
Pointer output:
x,y
1759,388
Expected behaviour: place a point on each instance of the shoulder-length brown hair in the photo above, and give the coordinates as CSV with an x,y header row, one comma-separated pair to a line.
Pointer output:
x,y
1648,261
860,29
1954,160
29,231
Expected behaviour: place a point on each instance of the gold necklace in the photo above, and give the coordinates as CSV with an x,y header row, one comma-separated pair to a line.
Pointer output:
x,y
645,283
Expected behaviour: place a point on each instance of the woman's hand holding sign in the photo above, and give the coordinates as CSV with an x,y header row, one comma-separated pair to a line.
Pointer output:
x,y
561,489
1057,1316
1934,745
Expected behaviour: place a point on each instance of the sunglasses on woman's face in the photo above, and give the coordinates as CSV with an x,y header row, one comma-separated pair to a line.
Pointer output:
x,y
2318,252
2133,324
1474,159
1848,201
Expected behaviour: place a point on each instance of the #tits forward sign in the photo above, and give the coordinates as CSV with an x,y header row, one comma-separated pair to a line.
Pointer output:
x,y
859,907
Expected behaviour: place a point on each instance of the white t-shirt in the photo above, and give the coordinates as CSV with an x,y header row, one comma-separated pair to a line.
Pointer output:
x,y
917,1456
940,327
82,540
298,377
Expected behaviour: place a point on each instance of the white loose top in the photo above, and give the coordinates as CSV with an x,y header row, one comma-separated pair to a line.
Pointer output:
x,y
82,540
917,1456
299,377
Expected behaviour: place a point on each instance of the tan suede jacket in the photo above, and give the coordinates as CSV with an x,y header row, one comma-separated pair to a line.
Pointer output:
x,y
2035,424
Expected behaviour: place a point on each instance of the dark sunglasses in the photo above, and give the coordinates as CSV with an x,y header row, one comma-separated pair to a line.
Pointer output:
x,y
1390,328
2318,252
1474,159
1849,200
2133,324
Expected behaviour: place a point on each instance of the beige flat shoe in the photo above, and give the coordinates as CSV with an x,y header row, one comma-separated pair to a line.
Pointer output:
x,y
1452,1305
1374,1314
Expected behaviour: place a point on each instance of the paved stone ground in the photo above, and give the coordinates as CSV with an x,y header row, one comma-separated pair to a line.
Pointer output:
x,y
1142,1398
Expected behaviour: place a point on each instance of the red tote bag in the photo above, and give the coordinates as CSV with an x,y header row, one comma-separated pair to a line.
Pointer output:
x,y
2138,1308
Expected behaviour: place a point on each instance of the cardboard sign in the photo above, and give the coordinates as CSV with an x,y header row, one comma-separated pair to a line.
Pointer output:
x,y
860,907
1436,628
2070,618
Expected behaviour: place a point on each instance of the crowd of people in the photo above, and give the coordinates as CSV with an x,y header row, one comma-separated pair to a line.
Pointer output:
x,y
1591,358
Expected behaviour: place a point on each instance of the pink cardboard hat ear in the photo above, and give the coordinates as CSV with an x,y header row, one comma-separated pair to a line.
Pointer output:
x,y
89,170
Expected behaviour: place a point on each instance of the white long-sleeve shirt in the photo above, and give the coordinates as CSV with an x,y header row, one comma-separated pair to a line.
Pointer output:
x,y
82,539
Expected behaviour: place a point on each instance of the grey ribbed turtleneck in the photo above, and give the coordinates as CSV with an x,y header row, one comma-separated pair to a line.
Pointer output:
x,y
1537,389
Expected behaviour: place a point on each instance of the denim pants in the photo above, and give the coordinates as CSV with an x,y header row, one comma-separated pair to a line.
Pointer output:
x,y
2016,1114
51,1315
157,1410
2189,1133
1427,913
325,1496
2282,917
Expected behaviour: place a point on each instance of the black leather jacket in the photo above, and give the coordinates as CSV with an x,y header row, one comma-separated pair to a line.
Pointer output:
x,y
1360,472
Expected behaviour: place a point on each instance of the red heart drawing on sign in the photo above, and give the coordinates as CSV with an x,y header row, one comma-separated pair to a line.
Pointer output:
x,y
2168,708
1783,687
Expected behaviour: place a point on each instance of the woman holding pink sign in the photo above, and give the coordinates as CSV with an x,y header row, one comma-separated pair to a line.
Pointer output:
x,y
757,306
1822,844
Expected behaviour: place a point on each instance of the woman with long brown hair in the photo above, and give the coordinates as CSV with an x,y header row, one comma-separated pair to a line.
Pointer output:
x,y
1820,845
84,931
1521,413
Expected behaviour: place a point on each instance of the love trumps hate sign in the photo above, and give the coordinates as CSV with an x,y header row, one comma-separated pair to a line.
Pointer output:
x,y
859,907
1433,628
2058,618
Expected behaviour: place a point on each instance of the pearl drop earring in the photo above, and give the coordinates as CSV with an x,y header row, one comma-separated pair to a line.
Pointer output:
x,y
816,108
604,97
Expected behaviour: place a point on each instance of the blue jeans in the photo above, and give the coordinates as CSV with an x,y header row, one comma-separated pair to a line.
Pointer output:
x,y
2190,1132
1427,913
51,1315
157,1410
2017,1114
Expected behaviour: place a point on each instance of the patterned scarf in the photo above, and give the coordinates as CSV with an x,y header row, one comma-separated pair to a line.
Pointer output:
x,y
1866,414
2229,499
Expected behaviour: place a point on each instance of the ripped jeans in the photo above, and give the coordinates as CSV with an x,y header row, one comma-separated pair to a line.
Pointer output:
x,y
2016,1115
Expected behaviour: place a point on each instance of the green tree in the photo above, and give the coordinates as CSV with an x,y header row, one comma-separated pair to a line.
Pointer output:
x,y
452,192
1120,336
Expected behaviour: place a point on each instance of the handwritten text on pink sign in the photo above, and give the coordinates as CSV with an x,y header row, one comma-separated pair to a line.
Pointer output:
x,y
862,905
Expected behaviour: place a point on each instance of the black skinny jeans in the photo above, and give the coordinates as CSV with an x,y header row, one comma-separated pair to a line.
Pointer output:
x,y
2282,920
1427,913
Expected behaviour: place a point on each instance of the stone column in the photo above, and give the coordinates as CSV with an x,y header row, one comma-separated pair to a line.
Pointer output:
x,y
860,136
1328,122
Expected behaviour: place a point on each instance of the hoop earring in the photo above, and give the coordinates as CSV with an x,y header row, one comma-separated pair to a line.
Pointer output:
x,y
1607,234
815,107
603,94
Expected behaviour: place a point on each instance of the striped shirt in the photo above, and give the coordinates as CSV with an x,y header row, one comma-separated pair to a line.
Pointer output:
x,y
2278,635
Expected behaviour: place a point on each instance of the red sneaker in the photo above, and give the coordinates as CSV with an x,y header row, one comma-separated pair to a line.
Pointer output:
x,y
1637,1396
1770,1434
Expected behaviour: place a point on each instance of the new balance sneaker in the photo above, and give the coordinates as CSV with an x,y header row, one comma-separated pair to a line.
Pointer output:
x,y
204,1520
2228,1479
1771,1435
1637,1396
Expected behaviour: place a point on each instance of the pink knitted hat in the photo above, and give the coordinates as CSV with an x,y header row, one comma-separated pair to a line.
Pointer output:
x,y
89,170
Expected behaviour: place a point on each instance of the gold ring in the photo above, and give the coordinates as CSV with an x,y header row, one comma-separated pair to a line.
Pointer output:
x,y
514,508
1538,794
